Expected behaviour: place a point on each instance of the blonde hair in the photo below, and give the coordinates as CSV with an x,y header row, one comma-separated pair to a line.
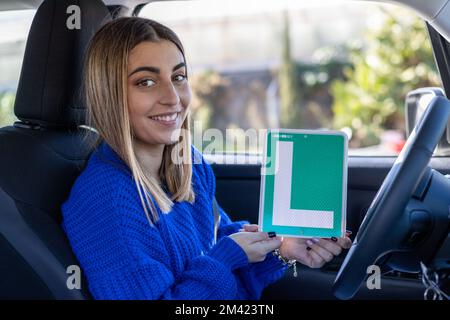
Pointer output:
x,y
105,90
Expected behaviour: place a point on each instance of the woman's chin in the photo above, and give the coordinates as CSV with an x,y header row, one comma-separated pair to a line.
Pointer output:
x,y
168,141
171,142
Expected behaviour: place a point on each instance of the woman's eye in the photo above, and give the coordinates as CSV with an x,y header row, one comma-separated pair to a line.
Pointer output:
x,y
179,77
146,83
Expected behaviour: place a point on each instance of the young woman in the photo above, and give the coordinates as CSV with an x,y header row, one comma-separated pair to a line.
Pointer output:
x,y
139,218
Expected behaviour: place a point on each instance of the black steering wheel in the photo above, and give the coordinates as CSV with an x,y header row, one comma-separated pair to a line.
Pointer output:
x,y
386,225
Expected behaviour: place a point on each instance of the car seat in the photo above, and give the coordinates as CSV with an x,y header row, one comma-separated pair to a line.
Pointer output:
x,y
42,154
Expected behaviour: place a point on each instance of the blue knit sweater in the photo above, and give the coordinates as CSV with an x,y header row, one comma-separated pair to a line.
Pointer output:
x,y
124,257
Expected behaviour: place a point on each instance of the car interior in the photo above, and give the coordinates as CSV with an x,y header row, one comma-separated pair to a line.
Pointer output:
x,y
397,207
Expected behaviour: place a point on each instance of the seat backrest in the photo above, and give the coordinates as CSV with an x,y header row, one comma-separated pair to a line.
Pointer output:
x,y
42,154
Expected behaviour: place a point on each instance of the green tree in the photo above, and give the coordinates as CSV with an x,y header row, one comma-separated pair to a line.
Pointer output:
x,y
288,82
209,89
396,59
7,109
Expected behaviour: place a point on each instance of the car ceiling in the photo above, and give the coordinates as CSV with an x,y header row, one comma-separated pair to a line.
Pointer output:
x,y
34,4
436,12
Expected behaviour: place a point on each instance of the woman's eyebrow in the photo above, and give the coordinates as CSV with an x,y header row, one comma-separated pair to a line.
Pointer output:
x,y
145,68
178,66
154,69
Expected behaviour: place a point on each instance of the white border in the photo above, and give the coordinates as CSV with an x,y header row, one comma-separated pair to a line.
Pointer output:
x,y
344,180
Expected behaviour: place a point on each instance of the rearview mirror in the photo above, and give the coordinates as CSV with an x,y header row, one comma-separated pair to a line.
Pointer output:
x,y
415,104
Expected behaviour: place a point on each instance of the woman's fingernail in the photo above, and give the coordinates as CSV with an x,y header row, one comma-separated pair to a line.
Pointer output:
x,y
348,232
334,239
309,242
308,248
272,234
315,240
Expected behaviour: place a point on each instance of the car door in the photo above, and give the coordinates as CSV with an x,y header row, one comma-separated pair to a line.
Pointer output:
x,y
238,188
238,191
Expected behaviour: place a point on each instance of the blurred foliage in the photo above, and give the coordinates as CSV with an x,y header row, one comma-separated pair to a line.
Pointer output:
x,y
359,86
397,58
288,82
304,87
6,108
314,98
208,89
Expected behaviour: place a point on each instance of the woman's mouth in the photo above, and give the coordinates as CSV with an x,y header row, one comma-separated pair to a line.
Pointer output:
x,y
169,119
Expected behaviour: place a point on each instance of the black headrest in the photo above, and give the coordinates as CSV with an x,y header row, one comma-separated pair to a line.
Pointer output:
x,y
48,93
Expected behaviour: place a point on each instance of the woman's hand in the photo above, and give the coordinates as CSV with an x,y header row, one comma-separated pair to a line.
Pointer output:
x,y
314,252
256,244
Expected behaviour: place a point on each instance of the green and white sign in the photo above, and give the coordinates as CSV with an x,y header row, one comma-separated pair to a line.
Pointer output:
x,y
304,183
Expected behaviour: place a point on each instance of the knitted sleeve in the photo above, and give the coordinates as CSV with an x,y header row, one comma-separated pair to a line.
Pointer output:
x,y
254,277
124,258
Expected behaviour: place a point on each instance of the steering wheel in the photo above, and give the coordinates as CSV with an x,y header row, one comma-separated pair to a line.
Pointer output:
x,y
386,224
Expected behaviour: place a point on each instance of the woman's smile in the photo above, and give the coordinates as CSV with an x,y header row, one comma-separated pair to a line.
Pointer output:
x,y
167,119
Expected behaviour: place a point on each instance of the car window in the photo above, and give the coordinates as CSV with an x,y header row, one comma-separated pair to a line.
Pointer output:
x,y
15,26
290,64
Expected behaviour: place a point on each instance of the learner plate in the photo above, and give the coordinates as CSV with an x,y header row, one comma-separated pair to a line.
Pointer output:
x,y
304,183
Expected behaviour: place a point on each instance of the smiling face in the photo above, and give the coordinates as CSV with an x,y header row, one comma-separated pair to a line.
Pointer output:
x,y
158,91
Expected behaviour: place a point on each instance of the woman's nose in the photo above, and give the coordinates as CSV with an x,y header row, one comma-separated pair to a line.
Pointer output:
x,y
169,95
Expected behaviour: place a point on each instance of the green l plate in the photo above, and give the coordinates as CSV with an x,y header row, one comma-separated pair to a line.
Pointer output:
x,y
304,183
